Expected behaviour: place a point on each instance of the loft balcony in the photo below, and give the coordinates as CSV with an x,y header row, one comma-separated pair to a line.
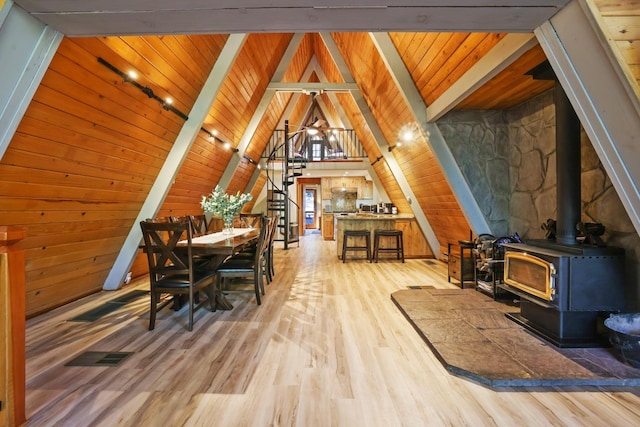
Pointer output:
x,y
325,145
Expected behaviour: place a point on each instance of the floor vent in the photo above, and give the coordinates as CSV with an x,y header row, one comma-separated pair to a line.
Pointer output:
x,y
99,358
418,287
109,306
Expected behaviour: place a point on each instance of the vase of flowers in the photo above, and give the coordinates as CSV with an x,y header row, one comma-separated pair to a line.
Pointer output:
x,y
225,206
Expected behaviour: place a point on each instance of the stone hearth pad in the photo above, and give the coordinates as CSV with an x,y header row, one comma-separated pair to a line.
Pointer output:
x,y
470,335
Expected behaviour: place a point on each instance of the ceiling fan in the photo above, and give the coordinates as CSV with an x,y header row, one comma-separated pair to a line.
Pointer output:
x,y
320,125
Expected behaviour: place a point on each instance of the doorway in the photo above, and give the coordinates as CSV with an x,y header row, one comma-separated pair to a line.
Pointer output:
x,y
310,210
310,217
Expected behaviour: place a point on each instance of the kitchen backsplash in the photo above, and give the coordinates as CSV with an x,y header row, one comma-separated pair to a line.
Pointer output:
x,y
344,202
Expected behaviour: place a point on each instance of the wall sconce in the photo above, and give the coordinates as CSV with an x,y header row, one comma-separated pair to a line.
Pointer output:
x,y
131,78
212,137
250,160
408,133
377,160
398,144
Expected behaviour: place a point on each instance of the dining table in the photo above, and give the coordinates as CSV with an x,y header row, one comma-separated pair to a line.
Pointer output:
x,y
221,243
213,248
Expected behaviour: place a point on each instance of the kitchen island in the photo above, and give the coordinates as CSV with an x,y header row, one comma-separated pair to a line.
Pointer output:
x,y
415,244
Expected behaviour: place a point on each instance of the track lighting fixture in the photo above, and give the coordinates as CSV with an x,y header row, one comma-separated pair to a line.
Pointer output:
x,y
250,160
131,77
213,137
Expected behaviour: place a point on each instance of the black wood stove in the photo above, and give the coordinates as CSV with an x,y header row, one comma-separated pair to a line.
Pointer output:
x,y
567,288
566,292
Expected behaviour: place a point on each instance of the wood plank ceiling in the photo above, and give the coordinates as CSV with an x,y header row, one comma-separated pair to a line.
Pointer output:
x,y
90,145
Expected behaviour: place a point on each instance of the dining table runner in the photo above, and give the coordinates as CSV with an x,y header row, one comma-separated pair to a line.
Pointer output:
x,y
218,237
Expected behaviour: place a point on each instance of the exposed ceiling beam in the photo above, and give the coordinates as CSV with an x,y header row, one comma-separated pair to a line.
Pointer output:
x,y
503,54
294,101
253,180
143,17
432,135
378,136
26,49
175,158
396,170
278,75
312,87
259,113
345,73
610,113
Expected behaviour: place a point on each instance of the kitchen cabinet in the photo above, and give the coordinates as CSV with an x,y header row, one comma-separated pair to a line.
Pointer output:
x,y
327,226
415,244
363,187
340,182
326,185
366,192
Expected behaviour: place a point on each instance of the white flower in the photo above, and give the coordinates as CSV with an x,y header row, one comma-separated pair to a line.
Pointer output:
x,y
224,205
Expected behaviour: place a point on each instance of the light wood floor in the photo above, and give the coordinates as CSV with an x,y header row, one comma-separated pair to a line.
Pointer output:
x,y
326,348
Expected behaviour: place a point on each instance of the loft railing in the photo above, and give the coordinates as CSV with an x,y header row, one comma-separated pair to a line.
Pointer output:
x,y
332,144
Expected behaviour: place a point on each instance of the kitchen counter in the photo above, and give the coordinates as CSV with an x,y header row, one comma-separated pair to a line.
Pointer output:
x,y
370,222
371,216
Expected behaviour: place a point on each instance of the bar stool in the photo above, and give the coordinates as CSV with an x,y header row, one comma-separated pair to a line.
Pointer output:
x,y
398,249
354,234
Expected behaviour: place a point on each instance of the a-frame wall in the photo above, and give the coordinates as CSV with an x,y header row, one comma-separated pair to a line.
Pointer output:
x,y
51,268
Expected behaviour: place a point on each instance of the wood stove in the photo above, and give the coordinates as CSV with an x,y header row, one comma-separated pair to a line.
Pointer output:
x,y
566,291
566,287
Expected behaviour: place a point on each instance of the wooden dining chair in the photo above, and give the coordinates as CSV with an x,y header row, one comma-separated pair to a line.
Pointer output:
x,y
251,220
242,266
161,219
215,224
251,250
267,257
272,238
198,224
171,269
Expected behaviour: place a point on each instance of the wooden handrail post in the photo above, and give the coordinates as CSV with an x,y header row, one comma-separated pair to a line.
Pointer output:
x,y
12,327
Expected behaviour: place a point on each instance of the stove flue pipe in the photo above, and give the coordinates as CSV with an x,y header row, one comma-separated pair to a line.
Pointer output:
x,y
568,165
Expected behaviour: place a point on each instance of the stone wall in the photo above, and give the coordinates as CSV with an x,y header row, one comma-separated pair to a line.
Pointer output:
x,y
509,162
531,129
532,165
479,143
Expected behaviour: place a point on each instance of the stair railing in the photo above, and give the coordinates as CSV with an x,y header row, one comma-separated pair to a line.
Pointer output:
x,y
282,204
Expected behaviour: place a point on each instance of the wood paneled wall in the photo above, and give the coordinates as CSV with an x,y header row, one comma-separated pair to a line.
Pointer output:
x,y
252,73
255,191
90,145
437,60
620,20
416,160
510,87
87,153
